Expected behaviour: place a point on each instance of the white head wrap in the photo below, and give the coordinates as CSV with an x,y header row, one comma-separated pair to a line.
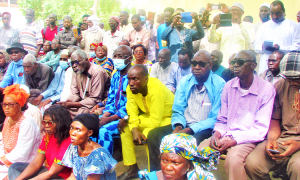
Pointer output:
x,y
95,20
265,4
237,4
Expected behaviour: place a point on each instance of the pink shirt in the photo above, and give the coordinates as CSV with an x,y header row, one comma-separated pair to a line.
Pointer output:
x,y
143,35
246,115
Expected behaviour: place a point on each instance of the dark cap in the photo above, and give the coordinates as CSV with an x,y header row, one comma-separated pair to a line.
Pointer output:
x,y
16,45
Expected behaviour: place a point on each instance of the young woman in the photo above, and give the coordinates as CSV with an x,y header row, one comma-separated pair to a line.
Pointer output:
x,y
87,158
56,122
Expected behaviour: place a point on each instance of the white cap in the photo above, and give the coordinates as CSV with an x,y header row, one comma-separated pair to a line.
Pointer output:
x,y
265,4
26,88
65,52
237,4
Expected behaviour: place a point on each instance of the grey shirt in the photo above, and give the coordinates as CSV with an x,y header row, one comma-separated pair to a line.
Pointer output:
x,y
66,38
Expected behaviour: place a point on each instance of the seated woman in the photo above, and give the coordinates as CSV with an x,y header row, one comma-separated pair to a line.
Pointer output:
x,y
4,62
88,159
20,135
56,122
46,49
180,159
92,51
102,60
140,53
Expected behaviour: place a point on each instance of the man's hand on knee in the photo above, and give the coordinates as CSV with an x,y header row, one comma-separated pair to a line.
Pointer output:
x,y
138,137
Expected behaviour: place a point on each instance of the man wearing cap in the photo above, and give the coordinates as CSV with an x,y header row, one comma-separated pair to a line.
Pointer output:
x,y
37,76
53,92
264,15
244,116
282,145
283,34
52,58
8,34
15,70
235,38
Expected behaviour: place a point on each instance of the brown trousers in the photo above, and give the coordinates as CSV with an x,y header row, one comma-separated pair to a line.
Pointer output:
x,y
235,158
258,164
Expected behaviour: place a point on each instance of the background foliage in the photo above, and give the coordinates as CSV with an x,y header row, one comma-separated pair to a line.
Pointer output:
x,y
75,8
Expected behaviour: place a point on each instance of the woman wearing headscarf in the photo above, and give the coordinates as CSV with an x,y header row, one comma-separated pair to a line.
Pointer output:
x,y
87,158
92,35
102,59
180,159
20,135
4,62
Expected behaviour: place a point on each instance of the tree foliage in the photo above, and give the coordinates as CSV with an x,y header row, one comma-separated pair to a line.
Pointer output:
x,y
75,8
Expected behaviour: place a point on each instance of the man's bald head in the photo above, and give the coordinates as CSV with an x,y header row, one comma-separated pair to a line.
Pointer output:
x,y
73,49
250,55
140,69
125,49
164,57
205,54
138,79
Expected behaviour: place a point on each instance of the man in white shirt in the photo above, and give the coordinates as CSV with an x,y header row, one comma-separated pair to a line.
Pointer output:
x,y
264,14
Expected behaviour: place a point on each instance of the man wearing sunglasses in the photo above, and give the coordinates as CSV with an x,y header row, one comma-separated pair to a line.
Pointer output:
x,y
90,85
196,106
52,58
15,70
244,118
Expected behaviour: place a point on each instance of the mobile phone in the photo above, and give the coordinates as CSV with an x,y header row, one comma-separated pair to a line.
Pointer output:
x,y
215,6
186,17
268,44
226,19
273,151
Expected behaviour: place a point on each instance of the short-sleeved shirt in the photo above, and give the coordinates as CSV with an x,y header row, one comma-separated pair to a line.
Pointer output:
x,y
66,38
50,34
99,161
31,37
55,153
284,111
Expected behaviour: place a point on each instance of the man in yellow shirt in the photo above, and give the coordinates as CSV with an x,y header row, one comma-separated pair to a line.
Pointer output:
x,y
149,105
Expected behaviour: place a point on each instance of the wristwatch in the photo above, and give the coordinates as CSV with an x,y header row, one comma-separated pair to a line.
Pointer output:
x,y
126,119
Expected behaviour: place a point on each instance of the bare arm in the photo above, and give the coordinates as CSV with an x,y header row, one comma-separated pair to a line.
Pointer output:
x,y
33,167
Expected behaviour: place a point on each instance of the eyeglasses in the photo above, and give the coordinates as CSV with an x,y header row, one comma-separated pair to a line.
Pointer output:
x,y
14,52
138,51
200,63
49,123
10,105
272,61
64,59
240,62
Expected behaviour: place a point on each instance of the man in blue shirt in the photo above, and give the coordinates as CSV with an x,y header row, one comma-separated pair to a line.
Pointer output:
x,y
195,109
15,70
168,12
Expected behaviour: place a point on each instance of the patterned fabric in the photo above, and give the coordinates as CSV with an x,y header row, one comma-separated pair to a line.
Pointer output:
x,y
98,162
185,146
290,65
31,37
107,64
106,135
162,74
176,75
147,63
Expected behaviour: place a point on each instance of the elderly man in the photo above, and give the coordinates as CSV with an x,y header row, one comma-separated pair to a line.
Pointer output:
x,y
282,146
276,31
161,70
180,37
66,36
37,76
53,93
90,85
149,105
272,74
115,108
51,31
138,35
196,106
264,15
234,38
8,34
217,59
183,68
244,116
30,34
52,58
15,70
168,12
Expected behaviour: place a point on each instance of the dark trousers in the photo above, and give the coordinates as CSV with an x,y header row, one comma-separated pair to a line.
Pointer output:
x,y
16,169
154,139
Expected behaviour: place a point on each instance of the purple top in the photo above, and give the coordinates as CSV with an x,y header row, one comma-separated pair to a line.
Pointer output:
x,y
246,114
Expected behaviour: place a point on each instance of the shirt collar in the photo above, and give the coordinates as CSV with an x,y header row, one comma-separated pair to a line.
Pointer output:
x,y
269,73
253,88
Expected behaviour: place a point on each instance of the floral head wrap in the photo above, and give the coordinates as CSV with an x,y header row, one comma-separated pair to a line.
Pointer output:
x,y
17,93
185,146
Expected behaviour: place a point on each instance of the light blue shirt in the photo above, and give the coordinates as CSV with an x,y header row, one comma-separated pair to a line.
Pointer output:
x,y
214,86
160,29
51,60
14,74
175,76
56,86
220,70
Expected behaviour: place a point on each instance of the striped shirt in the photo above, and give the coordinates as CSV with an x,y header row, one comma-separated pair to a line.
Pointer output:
x,y
162,74
198,107
176,75
31,37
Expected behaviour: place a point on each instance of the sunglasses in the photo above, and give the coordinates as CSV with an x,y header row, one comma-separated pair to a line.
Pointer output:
x,y
14,52
49,123
200,63
10,105
240,62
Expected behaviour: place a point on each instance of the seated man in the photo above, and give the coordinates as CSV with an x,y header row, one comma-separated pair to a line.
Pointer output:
x,y
90,84
217,59
272,74
37,76
228,73
284,132
115,107
180,70
15,70
244,117
149,105
51,59
53,93
196,106
161,69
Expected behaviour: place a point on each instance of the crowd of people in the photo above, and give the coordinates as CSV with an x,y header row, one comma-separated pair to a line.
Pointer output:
x,y
72,97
